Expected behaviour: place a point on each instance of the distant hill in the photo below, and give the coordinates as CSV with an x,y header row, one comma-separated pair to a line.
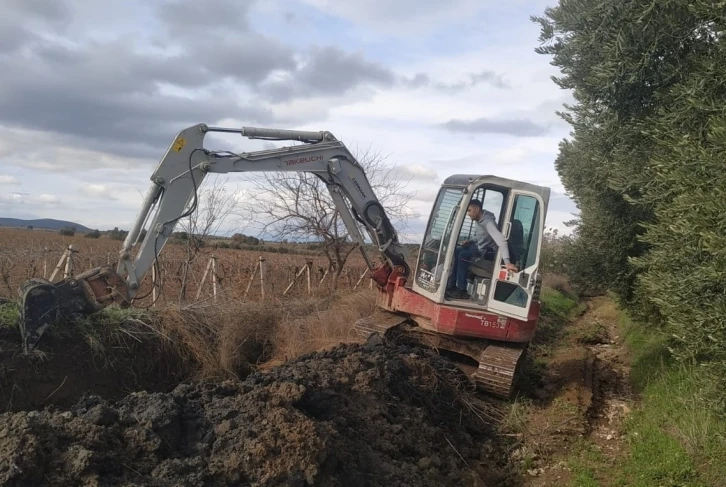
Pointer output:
x,y
43,223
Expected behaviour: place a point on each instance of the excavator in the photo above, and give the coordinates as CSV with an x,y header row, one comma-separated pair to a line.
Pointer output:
x,y
486,334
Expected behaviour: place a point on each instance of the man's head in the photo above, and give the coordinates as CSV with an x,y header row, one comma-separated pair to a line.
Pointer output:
x,y
474,210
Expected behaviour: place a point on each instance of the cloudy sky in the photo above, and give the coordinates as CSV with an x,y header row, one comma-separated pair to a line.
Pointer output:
x,y
93,91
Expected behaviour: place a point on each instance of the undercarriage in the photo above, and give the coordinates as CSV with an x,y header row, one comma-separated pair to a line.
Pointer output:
x,y
491,366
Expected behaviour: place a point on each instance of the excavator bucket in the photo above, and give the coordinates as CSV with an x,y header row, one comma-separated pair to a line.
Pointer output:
x,y
44,304
39,307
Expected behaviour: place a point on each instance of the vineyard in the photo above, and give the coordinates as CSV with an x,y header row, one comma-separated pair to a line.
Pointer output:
x,y
215,273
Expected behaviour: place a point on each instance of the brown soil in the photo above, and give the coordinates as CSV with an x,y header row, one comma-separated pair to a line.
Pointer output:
x,y
354,415
582,399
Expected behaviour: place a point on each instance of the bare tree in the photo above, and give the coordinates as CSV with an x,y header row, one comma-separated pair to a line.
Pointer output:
x,y
214,204
298,206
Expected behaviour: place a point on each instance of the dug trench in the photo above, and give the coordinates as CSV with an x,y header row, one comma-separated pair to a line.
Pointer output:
x,y
116,352
65,368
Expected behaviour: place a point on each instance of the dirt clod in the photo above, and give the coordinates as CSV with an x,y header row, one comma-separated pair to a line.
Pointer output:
x,y
356,415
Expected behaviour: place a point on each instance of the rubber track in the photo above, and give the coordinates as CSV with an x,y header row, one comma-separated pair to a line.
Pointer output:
x,y
497,369
379,323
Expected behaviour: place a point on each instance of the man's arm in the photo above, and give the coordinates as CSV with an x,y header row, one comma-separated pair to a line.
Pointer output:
x,y
501,243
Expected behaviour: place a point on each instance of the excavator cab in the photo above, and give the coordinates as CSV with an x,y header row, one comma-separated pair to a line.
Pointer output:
x,y
519,210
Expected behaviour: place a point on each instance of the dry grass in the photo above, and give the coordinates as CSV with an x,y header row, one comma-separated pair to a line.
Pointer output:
x,y
234,339
605,309
328,325
223,341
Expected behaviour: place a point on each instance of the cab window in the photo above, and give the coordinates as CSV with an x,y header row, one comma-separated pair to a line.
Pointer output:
x,y
493,201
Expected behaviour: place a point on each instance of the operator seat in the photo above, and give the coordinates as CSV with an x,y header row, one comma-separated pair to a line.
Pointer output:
x,y
484,266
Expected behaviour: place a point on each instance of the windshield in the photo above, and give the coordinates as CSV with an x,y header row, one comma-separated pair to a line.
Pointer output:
x,y
436,239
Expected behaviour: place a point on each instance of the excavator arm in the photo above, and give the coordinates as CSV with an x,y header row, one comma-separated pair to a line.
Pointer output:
x,y
172,196
180,173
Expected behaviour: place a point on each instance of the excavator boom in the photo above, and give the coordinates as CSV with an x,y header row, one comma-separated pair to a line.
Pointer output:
x,y
176,180
172,196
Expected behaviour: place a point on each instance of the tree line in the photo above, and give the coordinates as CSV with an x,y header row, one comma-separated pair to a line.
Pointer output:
x,y
645,162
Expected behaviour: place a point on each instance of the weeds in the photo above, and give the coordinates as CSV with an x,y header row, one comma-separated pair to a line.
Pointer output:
x,y
237,338
585,463
593,333
515,419
677,435
559,304
557,310
8,315
557,282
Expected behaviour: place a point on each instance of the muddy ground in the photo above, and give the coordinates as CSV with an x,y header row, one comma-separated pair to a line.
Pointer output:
x,y
355,415
579,405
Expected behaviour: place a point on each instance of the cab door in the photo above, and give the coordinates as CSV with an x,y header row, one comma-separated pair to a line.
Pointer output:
x,y
431,268
511,293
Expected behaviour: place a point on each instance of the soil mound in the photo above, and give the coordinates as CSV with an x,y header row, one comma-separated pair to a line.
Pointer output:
x,y
356,415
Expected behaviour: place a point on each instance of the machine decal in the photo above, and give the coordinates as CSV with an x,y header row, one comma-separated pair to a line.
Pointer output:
x,y
357,185
302,160
490,322
179,144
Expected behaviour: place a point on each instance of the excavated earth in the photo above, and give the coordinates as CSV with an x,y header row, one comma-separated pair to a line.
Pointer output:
x,y
356,415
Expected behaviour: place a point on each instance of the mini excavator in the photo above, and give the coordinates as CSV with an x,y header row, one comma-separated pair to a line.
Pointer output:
x,y
486,334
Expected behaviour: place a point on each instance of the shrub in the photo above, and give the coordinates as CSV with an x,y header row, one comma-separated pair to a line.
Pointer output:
x,y
117,234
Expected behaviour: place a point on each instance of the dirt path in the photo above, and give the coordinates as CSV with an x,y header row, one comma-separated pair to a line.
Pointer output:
x,y
573,419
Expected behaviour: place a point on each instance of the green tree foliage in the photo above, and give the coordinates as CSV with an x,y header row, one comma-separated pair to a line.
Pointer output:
x,y
93,234
646,161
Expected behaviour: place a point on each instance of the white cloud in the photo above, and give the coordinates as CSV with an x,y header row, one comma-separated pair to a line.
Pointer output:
x,y
97,191
9,180
45,151
415,172
48,199
28,202
393,17
426,195
557,219
420,18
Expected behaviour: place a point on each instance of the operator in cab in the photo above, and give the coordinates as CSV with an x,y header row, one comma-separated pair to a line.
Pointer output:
x,y
487,240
